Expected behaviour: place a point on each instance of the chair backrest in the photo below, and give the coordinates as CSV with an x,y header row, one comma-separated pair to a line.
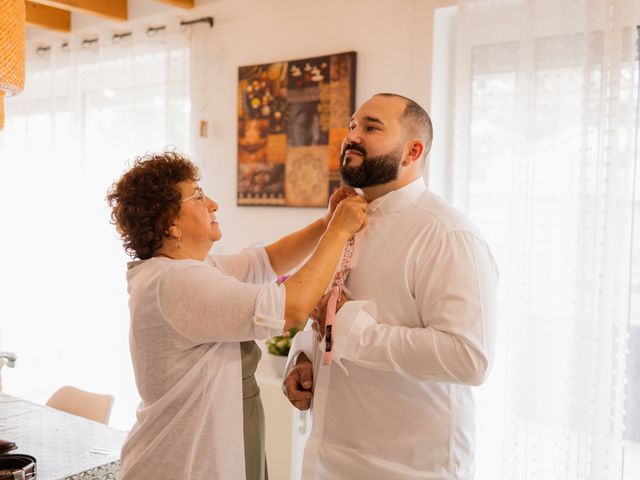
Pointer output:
x,y
93,406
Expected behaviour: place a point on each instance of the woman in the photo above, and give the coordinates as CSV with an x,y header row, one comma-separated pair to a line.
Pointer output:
x,y
191,315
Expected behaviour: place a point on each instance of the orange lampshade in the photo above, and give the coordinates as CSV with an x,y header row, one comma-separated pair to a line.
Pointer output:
x,y
12,21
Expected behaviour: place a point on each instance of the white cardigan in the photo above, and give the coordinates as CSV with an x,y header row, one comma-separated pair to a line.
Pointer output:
x,y
187,319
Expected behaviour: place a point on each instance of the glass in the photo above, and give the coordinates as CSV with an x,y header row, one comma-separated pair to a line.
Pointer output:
x,y
199,195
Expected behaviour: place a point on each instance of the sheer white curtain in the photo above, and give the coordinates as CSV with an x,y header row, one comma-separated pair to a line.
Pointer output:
x,y
543,161
88,108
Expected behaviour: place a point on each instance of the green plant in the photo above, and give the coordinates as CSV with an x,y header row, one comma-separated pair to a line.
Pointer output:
x,y
281,344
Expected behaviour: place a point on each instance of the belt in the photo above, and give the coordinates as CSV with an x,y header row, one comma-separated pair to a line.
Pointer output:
x,y
17,467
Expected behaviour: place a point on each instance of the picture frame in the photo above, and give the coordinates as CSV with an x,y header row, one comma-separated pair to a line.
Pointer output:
x,y
292,119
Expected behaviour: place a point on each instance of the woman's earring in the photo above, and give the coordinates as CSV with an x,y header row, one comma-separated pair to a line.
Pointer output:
x,y
178,244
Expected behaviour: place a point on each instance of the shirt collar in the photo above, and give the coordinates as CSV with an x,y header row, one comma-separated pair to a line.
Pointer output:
x,y
395,200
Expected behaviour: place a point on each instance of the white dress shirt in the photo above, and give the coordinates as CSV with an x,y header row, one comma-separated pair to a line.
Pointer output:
x,y
396,402
187,321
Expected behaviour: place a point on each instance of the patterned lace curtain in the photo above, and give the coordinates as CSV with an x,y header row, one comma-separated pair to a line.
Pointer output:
x,y
90,105
544,159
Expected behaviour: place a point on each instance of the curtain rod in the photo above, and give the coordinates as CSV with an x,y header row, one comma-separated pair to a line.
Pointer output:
x,y
117,37
209,20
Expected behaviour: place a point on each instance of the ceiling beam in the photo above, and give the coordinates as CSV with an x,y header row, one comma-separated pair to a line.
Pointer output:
x,y
112,9
179,3
48,17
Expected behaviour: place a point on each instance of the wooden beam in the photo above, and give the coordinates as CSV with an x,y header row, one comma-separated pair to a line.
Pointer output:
x,y
112,9
48,17
179,3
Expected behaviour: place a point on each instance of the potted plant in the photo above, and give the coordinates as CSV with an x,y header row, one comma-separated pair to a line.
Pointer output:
x,y
278,349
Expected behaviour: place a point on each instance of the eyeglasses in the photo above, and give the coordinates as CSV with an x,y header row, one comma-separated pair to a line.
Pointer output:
x,y
199,195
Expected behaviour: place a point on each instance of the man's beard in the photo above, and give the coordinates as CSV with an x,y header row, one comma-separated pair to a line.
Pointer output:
x,y
373,170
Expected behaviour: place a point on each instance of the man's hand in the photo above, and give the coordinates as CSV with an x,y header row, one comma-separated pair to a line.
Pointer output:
x,y
337,196
298,384
319,313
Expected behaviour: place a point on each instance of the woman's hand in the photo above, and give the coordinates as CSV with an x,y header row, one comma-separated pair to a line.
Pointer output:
x,y
350,215
337,196
304,288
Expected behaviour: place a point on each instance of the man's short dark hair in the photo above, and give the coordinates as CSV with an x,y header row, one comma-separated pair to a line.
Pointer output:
x,y
415,119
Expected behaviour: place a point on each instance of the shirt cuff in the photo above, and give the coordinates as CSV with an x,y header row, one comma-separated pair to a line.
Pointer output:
x,y
302,343
269,313
351,319
270,275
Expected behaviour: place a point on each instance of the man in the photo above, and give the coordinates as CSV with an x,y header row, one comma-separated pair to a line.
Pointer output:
x,y
416,329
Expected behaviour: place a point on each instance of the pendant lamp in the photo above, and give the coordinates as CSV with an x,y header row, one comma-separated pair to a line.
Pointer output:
x,y
12,25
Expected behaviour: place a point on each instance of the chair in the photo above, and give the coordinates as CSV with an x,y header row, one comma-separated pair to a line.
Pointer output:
x,y
93,406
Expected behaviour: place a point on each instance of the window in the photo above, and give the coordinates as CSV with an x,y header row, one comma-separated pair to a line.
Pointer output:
x,y
538,148
84,116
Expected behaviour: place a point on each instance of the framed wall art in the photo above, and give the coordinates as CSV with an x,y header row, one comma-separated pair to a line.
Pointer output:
x,y
292,118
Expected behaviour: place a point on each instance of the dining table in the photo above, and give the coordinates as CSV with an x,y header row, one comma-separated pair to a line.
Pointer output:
x,y
66,446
